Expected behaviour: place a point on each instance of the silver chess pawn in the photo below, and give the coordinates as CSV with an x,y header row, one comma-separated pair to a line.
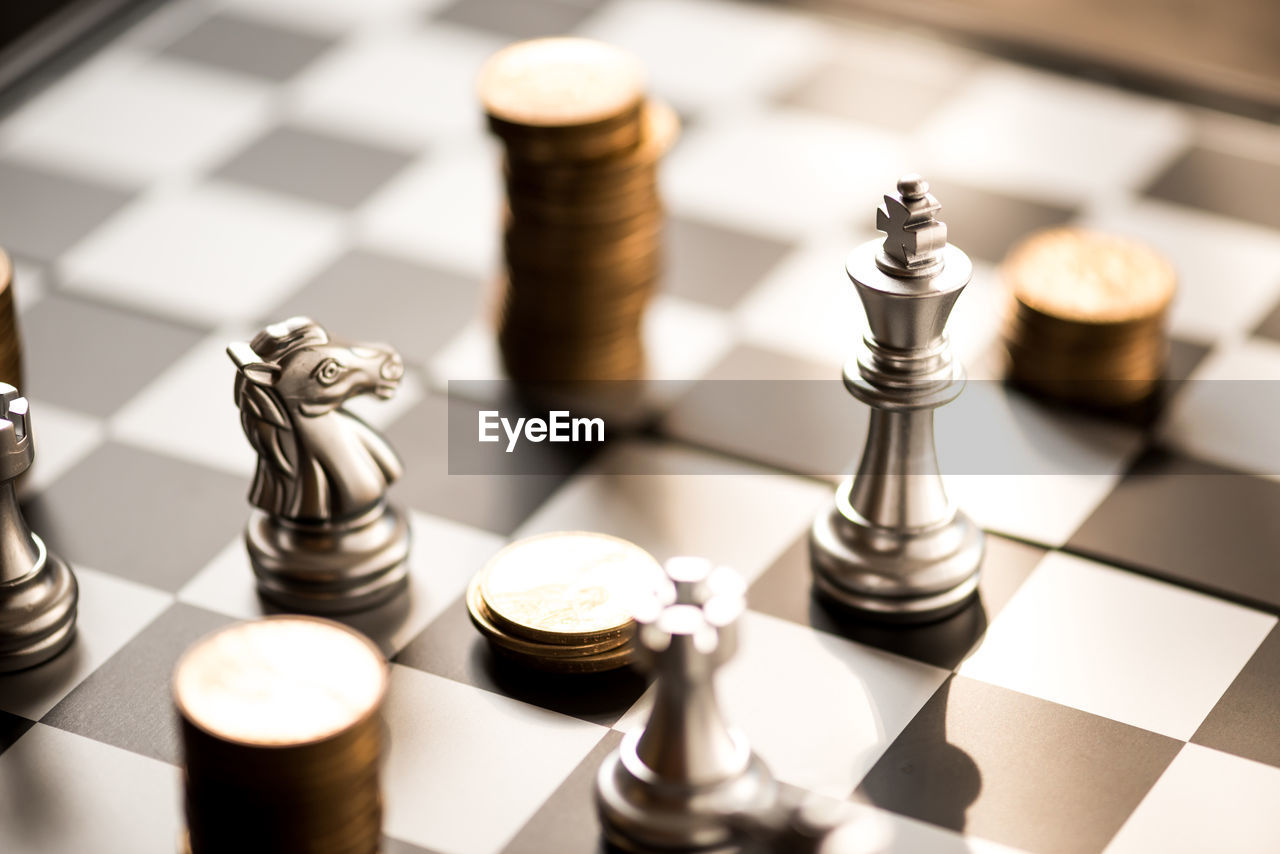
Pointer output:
x,y
38,592
324,538
892,545
678,783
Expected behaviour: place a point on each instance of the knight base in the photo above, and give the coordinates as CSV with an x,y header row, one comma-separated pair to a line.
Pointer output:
x,y
644,814
37,613
330,568
913,575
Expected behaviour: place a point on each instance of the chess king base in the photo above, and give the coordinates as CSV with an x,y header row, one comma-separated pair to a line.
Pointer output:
x,y
642,813
893,575
37,612
330,568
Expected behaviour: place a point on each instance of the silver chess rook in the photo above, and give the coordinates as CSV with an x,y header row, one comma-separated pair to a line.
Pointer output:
x,y
38,592
892,545
324,538
679,783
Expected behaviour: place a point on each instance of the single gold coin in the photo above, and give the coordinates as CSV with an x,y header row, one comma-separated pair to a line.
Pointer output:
x,y
279,681
1089,277
560,82
569,587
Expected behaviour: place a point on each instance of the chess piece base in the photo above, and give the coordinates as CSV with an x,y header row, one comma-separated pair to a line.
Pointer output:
x,y
37,612
330,568
891,575
642,813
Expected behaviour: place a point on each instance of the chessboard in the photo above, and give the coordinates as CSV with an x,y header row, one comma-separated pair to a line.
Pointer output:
x,y
227,163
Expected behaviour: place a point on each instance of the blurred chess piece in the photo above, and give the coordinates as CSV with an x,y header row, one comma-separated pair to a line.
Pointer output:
x,y
324,538
38,592
678,782
10,339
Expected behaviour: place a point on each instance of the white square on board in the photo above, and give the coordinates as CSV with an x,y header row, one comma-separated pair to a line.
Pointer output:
x,y
1206,801
133,119
1050,137
209,253
466,768
122,803
1119,645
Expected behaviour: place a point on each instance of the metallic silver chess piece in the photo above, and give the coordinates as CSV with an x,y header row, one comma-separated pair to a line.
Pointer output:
x,y
892,544
677,783
38,592
324,538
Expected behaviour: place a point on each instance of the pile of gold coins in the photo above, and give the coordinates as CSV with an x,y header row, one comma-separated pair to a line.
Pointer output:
x,y
1087,323
10,342
583,225
563,602
282,739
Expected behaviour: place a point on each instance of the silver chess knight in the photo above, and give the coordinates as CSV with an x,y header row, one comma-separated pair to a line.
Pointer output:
x,y
679,783
38,592
324,538
893,545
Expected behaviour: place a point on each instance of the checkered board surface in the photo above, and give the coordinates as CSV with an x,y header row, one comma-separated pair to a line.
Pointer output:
x,y
224,164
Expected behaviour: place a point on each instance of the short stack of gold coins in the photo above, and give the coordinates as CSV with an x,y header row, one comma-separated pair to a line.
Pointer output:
x,y
10,341
563,602
282,738
1087,318
583,225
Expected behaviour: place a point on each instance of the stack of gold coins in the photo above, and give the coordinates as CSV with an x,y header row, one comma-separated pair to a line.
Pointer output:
x,y
10,343
563,602
1088,315
583,225
282,738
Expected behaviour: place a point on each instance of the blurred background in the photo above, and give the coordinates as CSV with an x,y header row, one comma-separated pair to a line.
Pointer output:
x,y
1223,53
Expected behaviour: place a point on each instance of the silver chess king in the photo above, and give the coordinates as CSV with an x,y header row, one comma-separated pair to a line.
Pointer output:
x,y
892,545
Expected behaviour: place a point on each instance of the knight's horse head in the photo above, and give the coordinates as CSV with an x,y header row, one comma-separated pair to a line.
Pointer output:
x,y
289,378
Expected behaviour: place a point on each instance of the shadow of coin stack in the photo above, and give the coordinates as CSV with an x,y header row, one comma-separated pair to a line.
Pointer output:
x,y
10,342
583,224
282,739
1087,323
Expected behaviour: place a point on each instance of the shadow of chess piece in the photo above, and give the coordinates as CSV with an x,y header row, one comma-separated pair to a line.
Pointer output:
x,y
323,539
943,643
38,592
923,775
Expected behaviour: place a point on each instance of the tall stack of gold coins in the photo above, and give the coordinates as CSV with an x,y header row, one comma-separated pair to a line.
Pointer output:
x,y
1087,323
563,602
583,225
282,738
10,342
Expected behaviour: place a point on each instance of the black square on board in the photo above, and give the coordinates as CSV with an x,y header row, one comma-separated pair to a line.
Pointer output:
x,y
314,166
93,358
1194,523
149,518
1246,720
369,296
249,47
128,701
994,763
452,647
